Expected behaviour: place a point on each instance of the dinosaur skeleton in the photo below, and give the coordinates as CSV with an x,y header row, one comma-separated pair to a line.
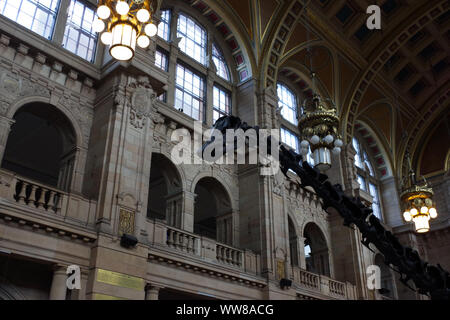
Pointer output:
x,y
429,280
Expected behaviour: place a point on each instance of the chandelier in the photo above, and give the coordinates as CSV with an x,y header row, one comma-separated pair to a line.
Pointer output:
x,y
418,202
124,24
319,127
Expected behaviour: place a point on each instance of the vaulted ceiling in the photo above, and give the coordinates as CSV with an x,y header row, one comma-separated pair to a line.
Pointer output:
x,y
394,81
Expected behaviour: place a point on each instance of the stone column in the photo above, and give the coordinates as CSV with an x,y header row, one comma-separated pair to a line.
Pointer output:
x,y
301,252
60,25
152,292
59,287
188,212
5,128
173,55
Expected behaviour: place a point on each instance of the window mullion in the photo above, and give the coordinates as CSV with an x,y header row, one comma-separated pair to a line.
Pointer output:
x,y
61,20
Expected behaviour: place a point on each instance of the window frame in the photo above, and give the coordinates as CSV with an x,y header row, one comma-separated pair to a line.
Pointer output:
x,y
296,100
202,27
370,178
89,5
203,110
38,5
228,93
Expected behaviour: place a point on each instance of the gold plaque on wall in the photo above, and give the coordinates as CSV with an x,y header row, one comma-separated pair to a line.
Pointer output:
x,y
120,279
126,222
281,272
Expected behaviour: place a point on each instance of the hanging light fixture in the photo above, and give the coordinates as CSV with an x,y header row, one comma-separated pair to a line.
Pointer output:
x,y
319,125
319,122
125,24
418,203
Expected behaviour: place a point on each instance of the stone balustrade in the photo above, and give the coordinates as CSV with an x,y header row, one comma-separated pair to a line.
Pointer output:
x,y
205,249
229,255
38,196
322,285
41,198
183,241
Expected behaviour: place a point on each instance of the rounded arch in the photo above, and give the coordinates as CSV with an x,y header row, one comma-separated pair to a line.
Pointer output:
x,y
317,250
375,147
14,107
213,211
165,196
42,145
222,182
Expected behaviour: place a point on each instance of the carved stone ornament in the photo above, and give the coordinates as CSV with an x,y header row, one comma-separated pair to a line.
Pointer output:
x,y
13,87
142,97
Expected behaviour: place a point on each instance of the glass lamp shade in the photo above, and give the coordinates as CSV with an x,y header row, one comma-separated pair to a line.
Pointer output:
x,y
143,15
422,223
322,158
123,42
103,12
106,38
433,213
151,30
122,8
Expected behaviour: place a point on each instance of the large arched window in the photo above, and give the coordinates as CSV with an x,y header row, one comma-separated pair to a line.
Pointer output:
x,y
41,146
193,38
287,101
366,176
221,64
316,250
199,93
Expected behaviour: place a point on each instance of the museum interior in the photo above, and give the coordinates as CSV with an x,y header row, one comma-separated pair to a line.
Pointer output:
x,y
92,94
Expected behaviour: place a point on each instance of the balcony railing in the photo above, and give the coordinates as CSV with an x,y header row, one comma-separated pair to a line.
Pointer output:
x,y
45,199
205,249
322,285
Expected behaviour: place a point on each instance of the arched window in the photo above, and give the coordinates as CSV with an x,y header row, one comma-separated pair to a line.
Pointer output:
x,y
366,176
288,102
221,64
291,139
293,243
193,81
164,196
193,38
41,146
316,250
212,213
164,25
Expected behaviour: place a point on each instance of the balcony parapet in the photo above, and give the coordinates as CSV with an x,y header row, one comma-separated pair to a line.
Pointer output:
x,y
320,285
204,249
23,195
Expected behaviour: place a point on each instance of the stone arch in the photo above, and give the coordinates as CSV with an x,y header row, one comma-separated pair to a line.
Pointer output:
x,y
14,107
239,48
213,210
165,195
293,242
50,154
375,148
317,256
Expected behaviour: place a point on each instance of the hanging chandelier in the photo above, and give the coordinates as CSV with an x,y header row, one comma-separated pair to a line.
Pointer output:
x,y
319,127
124,24
418,202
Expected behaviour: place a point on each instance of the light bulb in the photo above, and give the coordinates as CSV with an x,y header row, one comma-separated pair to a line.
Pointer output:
x,y
315,139
336,151
143,15
143,41
304,144
407,216
103,12
151,29
122,8
106,38
414,212
328,139
338,143
423,209
98,25
433,213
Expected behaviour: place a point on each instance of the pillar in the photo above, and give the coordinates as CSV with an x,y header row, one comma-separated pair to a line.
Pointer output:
x,y
5,128
152,292
59,287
